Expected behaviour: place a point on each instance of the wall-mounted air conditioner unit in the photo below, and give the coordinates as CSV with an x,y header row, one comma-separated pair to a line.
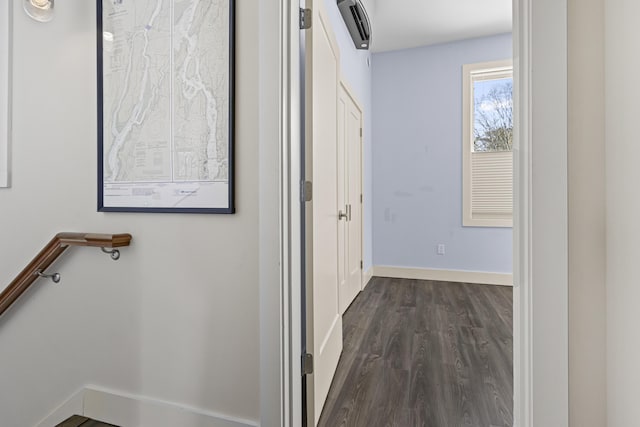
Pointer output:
x,y
357,22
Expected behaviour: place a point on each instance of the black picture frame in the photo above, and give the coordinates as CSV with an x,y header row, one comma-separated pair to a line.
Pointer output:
x,y
216,206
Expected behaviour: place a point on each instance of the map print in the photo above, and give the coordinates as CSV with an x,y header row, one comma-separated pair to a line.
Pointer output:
x,y
166,103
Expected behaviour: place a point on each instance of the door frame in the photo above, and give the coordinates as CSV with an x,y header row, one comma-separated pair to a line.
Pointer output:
x,y
540,214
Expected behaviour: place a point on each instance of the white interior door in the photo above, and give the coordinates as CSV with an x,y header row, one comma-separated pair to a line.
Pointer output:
x,y
343,200
324,318
349,196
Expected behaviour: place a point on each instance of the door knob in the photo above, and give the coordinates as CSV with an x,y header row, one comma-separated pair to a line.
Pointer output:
x,y
346,214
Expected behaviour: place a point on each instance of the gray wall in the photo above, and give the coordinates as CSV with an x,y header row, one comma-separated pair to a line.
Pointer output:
x,y
176,318
417,160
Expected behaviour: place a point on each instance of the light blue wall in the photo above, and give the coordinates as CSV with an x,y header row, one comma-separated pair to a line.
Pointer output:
x,y
357,73
417,160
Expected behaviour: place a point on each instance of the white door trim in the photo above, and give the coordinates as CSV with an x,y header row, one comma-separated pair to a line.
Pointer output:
x,y
279,249
541,341
540,232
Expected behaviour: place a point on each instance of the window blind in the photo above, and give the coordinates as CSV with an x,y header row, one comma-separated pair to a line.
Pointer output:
x,y
492,184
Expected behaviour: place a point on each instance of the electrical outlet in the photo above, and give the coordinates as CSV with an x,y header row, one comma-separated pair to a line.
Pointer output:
x,y
440,249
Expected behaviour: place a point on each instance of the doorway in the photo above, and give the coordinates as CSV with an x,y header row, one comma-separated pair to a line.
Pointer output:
x,y
421,165
540,267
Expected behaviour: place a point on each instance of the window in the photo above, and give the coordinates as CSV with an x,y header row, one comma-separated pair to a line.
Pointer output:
x,y
487,144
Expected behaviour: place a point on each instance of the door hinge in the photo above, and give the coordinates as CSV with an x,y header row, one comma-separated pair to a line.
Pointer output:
x,y
361,198
361,265
307,364
360,132
306,192
305,19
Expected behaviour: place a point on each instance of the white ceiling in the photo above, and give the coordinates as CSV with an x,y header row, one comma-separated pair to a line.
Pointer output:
x,y
401,24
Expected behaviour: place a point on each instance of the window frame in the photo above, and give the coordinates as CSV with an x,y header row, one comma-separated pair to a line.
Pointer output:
x,y
471,73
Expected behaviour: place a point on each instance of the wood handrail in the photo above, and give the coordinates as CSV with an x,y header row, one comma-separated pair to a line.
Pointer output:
x,y
60,243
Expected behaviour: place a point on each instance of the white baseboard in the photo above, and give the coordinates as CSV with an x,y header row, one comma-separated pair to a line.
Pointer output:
x,y
366,277
502,279
72,406
127,410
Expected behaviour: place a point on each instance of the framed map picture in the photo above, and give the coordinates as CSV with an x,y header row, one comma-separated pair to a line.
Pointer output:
x,y
165,106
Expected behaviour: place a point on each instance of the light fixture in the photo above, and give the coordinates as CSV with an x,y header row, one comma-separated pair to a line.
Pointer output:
x,y
40,10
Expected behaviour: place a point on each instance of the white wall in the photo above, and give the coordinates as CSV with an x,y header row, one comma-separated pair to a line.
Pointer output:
x,y
177,317
417,160
356,71
587,254
622,36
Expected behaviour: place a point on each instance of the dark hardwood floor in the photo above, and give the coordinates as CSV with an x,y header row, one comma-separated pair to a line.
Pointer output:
x,y
78,421
422,353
